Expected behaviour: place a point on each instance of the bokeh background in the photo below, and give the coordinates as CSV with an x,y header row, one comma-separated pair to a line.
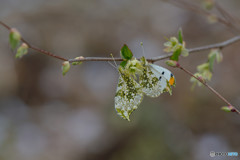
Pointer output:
x,y
44,115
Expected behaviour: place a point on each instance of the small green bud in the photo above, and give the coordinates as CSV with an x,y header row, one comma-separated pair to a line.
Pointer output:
x,y
172,63
208,4
22,50
79,62
227,108
212,19
185,52
14,38
65,67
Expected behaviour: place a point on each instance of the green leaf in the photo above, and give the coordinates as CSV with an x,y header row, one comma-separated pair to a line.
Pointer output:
x,y
217,53
126,53
14,38
22,50
203,67
123,64
211,60
180,36
65,67
184,52
219,57
176,54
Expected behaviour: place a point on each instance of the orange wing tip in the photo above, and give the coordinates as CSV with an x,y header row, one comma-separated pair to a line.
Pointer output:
x,y
172,81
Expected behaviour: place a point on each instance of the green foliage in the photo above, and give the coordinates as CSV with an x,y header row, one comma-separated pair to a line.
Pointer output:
x,y
176,54
205,70
22,50
65,67
176,46
123,64
14,38
126,53
180,36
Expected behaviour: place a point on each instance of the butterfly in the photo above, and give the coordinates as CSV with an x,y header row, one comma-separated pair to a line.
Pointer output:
x,y
128,95
153,80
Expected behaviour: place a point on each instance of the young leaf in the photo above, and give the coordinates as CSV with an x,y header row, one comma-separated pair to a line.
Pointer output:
x,y
180,37
22,50
211,60
14,38
123,64
176,54
126,53
203,67
65,67
219,57
184,52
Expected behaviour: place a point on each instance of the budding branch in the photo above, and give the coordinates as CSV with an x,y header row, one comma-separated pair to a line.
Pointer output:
x,y
154,59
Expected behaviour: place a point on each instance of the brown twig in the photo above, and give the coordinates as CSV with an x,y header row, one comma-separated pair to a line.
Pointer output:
x,y
33,47
231,19
158,58
194,8
209,87
154,59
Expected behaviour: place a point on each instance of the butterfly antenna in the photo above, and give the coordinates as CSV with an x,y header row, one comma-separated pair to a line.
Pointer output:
x,y
113,61
112,65
142,49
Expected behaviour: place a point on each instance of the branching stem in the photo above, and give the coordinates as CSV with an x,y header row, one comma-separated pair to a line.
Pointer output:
x,y
209,87
154,59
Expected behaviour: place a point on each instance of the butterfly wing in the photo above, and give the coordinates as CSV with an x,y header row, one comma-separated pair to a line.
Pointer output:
x,y
149,82
166,78
128,96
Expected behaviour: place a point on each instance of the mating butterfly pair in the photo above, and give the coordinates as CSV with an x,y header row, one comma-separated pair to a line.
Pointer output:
x,y
153,80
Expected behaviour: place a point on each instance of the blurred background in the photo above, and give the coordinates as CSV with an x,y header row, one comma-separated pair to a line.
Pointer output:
x,y
44,115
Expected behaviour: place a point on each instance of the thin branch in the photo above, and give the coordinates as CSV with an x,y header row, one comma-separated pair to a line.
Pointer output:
x,y
202,48
154,59
194,8
231,19
209,87
33,47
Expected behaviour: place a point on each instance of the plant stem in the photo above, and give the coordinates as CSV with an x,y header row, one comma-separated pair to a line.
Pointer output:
x,y
154,59
209,87
33,47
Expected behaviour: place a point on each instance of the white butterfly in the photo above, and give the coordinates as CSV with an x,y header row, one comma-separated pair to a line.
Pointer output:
x,y
155,79
128,96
